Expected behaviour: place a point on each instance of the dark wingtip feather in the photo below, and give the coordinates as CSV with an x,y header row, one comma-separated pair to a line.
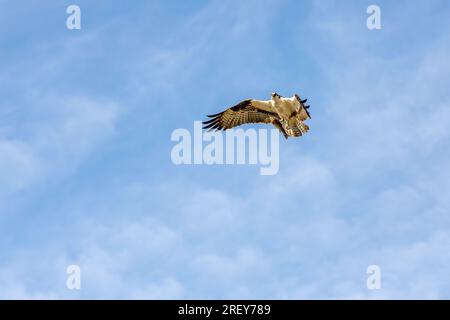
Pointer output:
x,y
211,125
209,121
214,115
309,116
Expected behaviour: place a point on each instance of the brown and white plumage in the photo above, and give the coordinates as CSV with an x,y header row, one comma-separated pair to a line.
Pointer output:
x,y
286,114
247,111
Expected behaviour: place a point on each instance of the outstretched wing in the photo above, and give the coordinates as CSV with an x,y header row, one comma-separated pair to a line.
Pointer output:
x,y
247,111
302,112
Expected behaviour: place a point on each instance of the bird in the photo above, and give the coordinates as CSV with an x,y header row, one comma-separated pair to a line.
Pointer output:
x,y
286,114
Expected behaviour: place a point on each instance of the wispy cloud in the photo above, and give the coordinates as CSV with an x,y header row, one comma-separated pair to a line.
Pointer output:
x,y
54,137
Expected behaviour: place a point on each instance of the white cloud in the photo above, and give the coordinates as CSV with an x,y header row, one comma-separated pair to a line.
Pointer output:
x,y
18,166
58,134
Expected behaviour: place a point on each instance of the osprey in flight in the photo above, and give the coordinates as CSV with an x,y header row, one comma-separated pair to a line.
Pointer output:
x,y
286,114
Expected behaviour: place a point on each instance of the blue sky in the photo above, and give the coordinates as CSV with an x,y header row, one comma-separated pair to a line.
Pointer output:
x,y
86,176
